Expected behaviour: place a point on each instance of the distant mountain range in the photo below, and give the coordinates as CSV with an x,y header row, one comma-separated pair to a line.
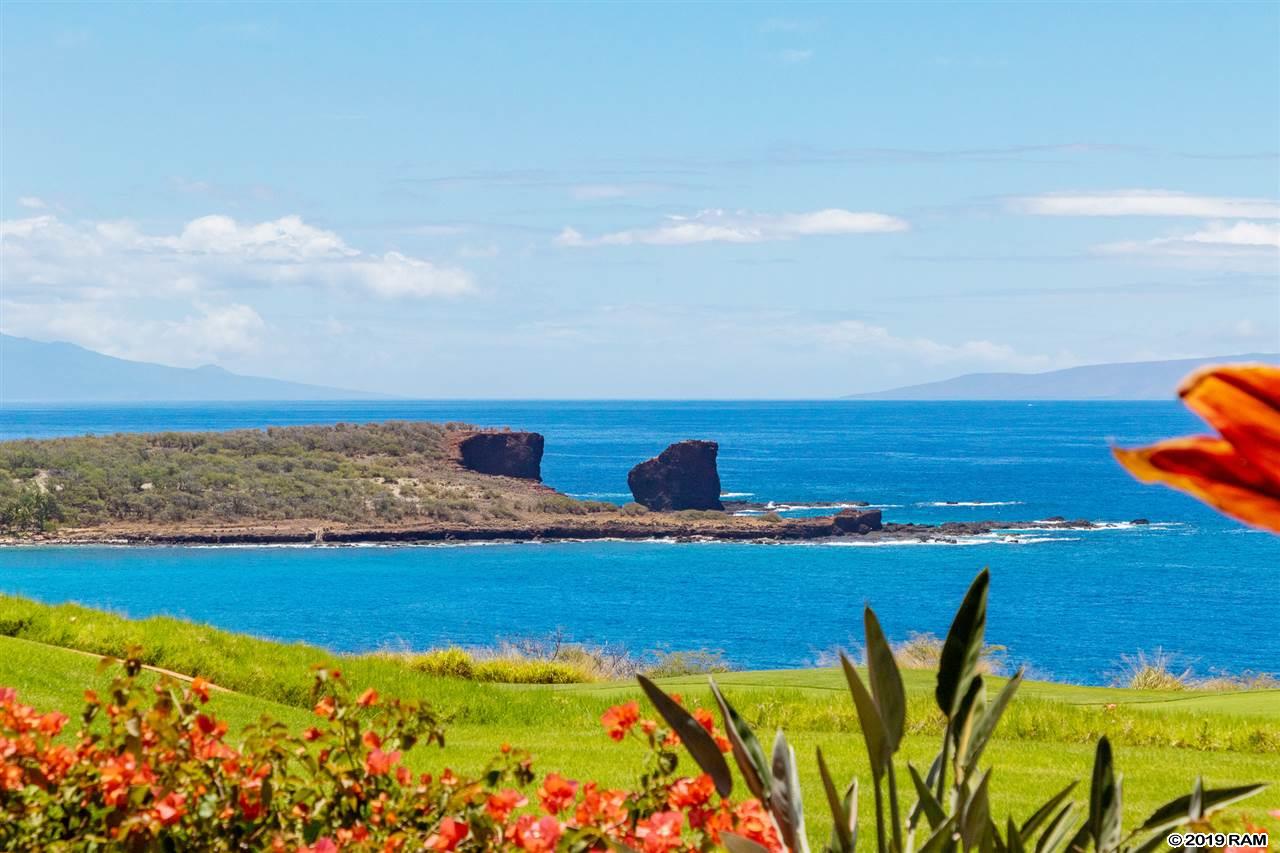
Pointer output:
x,y
59,372
1137,380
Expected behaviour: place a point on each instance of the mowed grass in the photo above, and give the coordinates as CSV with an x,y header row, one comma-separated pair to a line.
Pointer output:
x,y
1163,738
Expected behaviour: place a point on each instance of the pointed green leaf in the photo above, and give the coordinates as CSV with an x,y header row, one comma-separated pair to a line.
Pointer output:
x,y
1104,800
977,814
1056,830
943,838
886,681
963,647
841,832
1031,824
926,802
984,725
931,781
1013,837
785,803
1175,812
873,731
694,737
747,752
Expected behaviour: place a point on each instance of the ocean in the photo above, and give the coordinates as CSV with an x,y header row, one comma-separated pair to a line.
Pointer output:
x,y
1068,604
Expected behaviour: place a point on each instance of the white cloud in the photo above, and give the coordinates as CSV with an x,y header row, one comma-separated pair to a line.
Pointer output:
x,y
31,202
855,335
721,226
205,333
45,253
1145,203
794,55
1258,240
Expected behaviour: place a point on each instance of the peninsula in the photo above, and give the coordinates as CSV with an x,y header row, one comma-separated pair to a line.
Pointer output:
x,y
392,482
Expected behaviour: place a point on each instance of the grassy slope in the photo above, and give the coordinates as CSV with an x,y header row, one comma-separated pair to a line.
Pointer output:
x,y
1046,740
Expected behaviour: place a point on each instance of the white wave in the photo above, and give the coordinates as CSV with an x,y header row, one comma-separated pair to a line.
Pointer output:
x,y
736,494
970,503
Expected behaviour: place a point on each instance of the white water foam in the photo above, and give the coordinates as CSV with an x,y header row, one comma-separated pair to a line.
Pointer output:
x,y
970,503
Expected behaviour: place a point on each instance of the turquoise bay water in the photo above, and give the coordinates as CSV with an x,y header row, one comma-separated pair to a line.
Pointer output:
x,y
1068,603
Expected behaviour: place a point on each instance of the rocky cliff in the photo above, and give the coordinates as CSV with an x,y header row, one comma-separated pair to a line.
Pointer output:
x,y
683,476
506,454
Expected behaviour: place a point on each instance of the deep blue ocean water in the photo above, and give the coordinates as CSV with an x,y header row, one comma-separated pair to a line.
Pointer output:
x,y
1069,604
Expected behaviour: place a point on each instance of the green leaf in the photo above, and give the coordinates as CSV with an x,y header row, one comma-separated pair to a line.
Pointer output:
x,y
926,802
1176,812
694,737
747,752
844,820
943,837
977,814
963,647
931,781
873,730
886,681
1013,837
1031,824
785,803
979,731
1056,830
1104,800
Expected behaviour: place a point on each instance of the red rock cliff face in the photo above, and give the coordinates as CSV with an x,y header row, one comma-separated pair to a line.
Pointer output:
x,y
683,476
505,454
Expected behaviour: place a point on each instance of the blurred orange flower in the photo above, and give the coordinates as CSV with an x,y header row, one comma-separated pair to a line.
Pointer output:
x,y
1238,473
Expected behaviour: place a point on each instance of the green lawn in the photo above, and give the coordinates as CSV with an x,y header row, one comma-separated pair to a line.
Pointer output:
x,y
1163,739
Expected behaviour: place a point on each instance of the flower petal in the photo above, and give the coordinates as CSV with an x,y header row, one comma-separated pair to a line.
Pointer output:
x,y
1212,470
1243,403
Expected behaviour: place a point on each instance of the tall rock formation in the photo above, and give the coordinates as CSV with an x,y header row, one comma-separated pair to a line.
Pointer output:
x,y
683,476
506,454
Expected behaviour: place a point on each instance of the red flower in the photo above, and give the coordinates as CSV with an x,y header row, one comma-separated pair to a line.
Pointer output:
x,y
502,804
447,835
322,845
556,793
325,708
312,734
753,822
660,832
371,740
690,793
367,698
537,835
602,809
200,687
170,809
379,763
619,719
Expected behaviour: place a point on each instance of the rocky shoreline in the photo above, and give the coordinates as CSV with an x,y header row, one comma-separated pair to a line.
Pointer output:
x,y
730,529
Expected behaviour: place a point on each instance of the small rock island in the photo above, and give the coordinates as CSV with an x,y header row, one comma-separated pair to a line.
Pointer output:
x,y
683,476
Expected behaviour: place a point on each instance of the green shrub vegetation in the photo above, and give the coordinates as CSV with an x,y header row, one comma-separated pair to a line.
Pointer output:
x,y
368,473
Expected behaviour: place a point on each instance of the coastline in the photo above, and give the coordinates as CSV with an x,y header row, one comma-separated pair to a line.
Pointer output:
x,y
729,529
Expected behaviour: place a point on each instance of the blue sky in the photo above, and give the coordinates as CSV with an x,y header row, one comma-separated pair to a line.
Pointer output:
x,y
721,200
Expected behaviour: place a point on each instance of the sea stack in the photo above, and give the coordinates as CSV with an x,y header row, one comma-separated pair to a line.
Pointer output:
x,y
683,476
858,521
504,454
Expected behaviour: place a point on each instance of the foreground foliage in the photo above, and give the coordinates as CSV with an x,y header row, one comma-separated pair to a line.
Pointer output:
x,y
149,767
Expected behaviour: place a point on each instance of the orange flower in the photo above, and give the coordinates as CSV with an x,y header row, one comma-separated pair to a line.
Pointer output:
x,y
619,719
447,835
753,822
537,835
689,793
170,809
379,763
660,832
367,698
502,804
200,687
325,707
556,793
601,808
1238,473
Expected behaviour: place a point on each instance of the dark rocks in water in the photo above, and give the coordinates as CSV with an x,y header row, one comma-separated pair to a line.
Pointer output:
x,y
505,454
1140,521
857,521
683,476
